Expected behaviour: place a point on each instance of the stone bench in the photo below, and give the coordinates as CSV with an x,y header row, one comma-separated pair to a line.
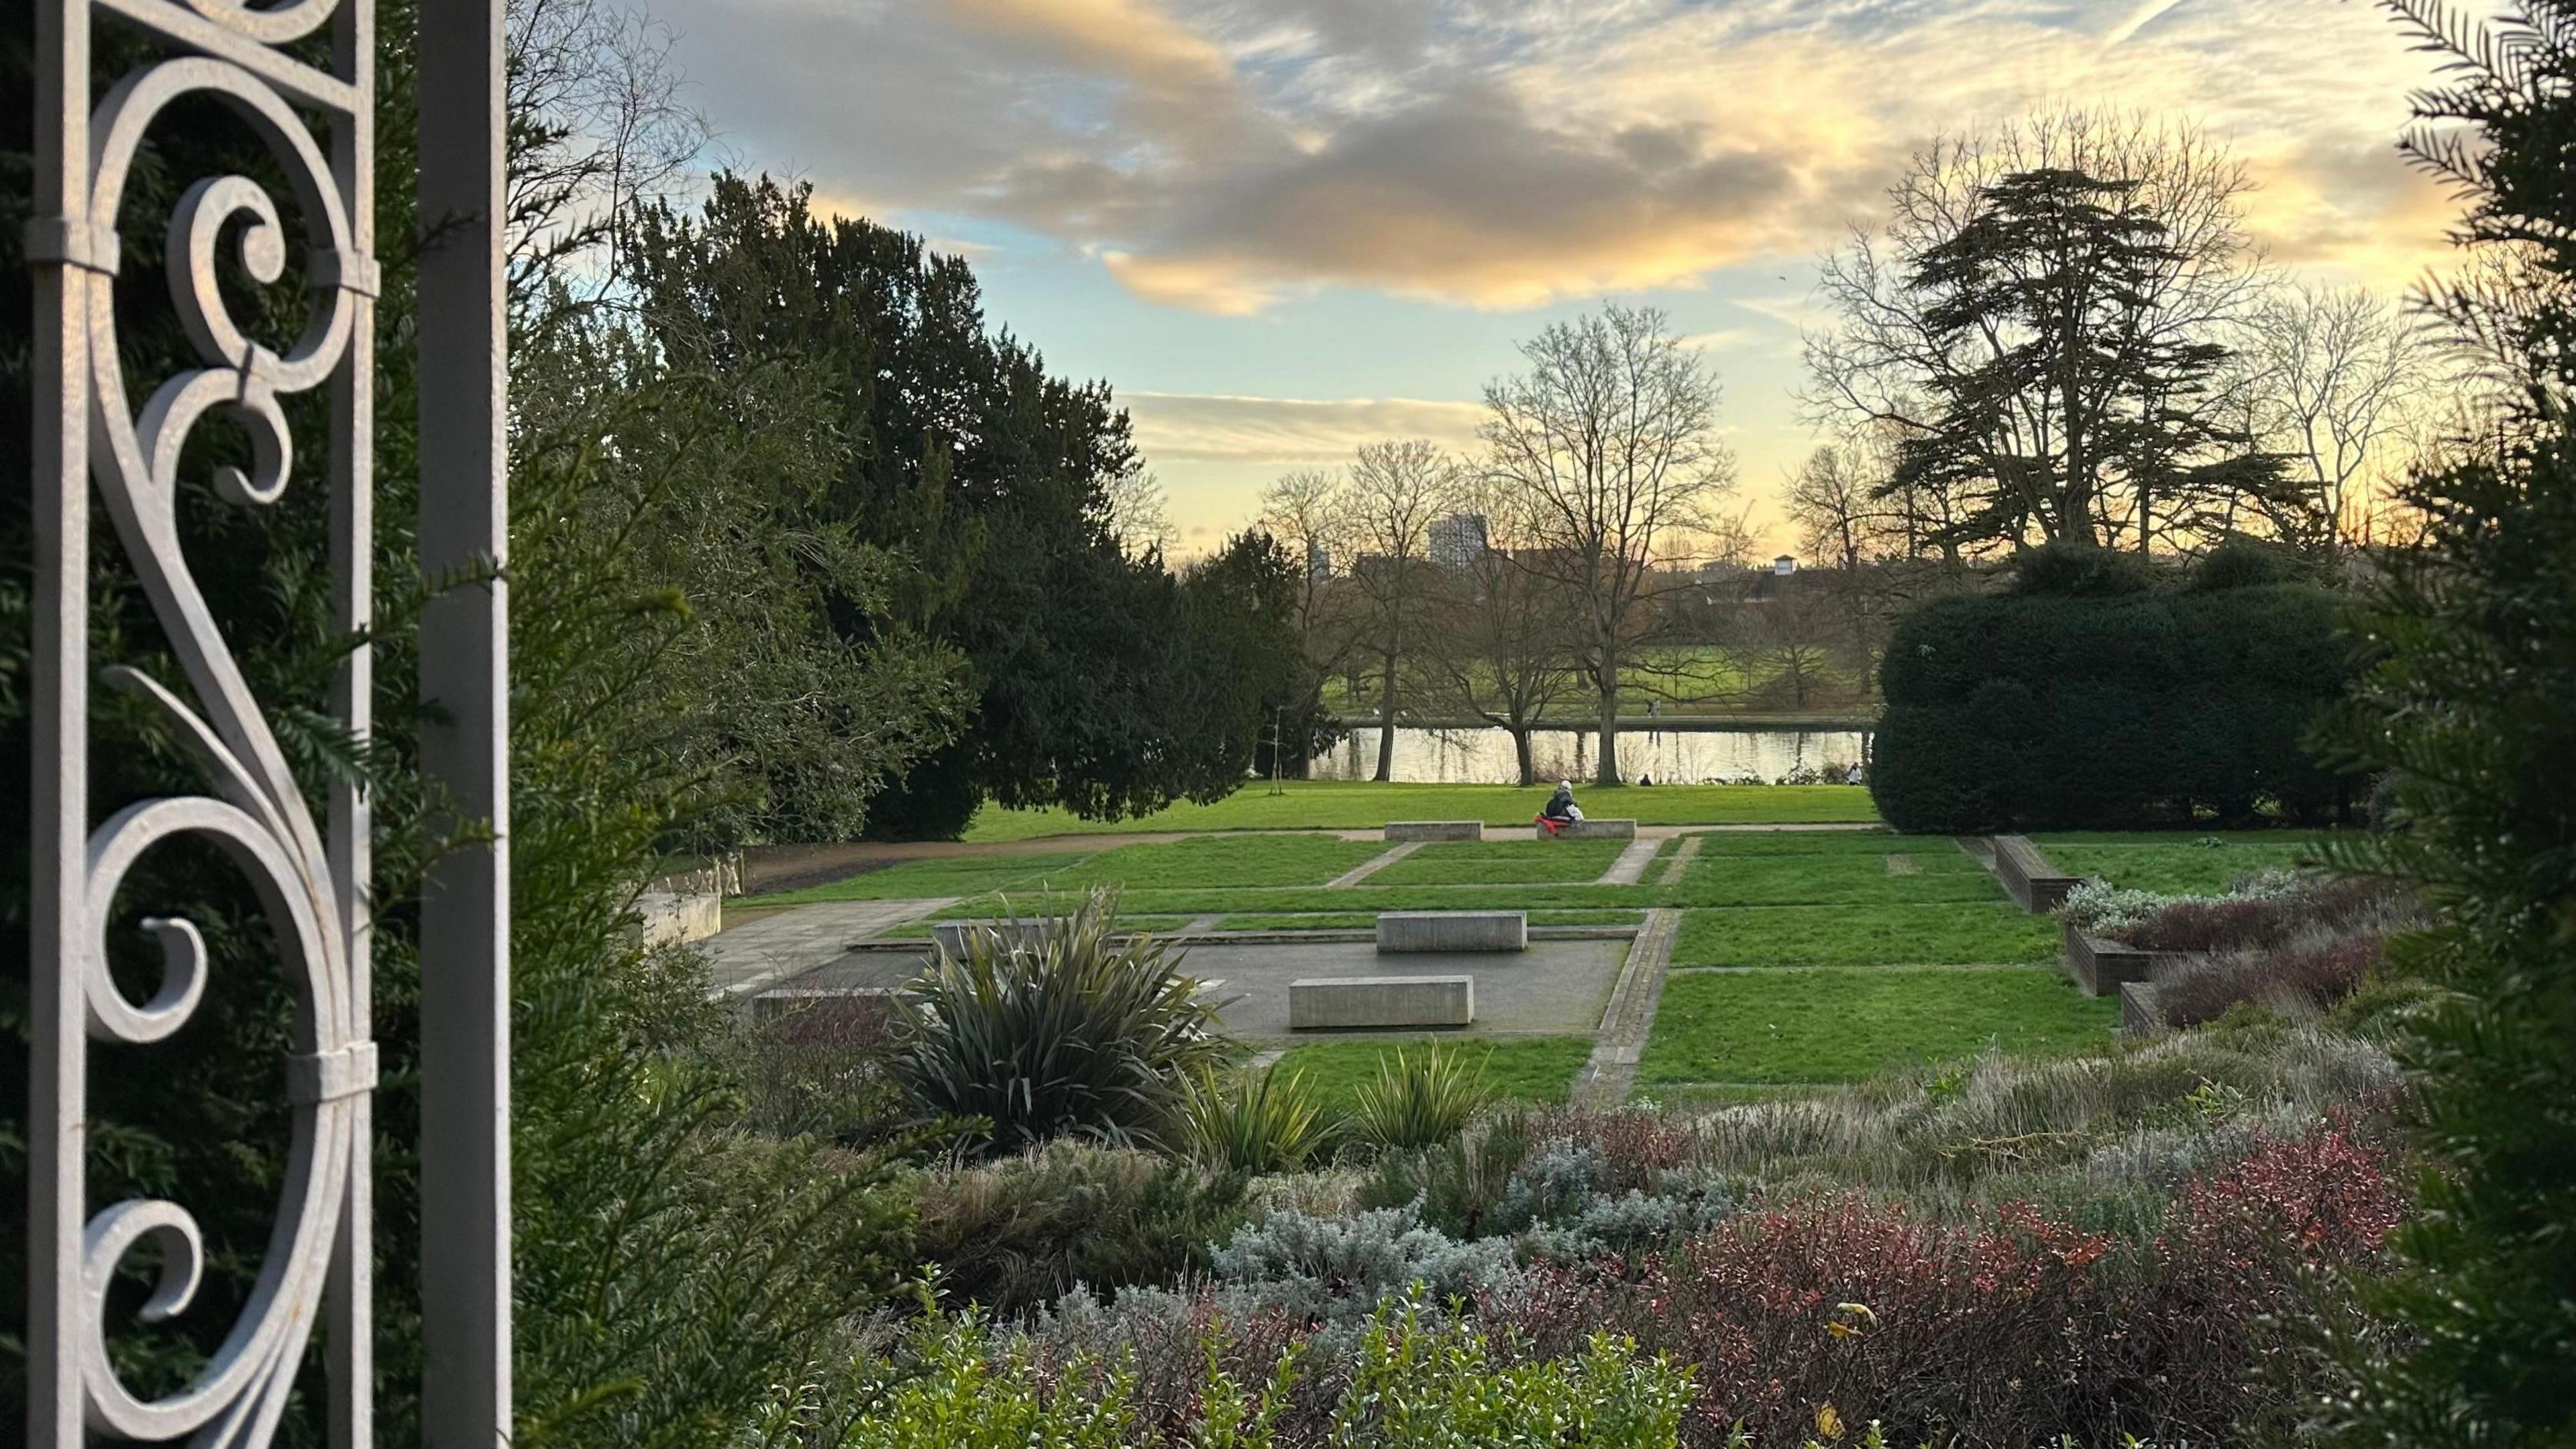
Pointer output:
x,y
1435,830
1590,830
1399,931
2028,876
1327,1003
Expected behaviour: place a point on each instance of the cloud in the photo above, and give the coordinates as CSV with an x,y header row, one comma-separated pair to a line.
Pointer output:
x,y
1226,155
1288,432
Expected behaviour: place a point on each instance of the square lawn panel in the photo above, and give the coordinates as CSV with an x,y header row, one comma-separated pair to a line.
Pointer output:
x,y
1835,879
2175,862
1968,933
1503,862
1235,860
913,880
1518,1069
1825,1025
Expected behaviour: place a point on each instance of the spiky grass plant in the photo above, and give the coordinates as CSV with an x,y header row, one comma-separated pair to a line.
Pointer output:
x,y
1258,1123
1047,1028
1419,1098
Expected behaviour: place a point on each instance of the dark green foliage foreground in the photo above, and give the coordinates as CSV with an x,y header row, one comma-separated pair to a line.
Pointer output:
x,y
2471,709
2042,710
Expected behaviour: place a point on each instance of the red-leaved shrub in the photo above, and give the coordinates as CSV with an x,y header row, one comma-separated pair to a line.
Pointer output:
x,y
2012,1331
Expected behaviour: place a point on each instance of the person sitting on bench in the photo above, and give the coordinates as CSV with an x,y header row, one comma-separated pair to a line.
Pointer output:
x,y
1560,810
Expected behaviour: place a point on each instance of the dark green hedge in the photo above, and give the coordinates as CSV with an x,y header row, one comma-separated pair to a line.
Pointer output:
x,y
2033,711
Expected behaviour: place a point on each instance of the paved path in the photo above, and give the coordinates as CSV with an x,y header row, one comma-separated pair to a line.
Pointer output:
x,y
1371,866
1607,1077
1682,853
1630,867
791,942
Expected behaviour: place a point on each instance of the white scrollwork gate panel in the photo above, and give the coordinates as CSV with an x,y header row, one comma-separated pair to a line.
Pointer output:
x,y
94,442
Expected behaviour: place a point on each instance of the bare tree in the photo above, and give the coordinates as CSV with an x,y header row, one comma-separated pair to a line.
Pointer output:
x,y
1303,511
600,122
1610,442
1390,495
1139,515
1833,503
2329,381
1499,644
2040,305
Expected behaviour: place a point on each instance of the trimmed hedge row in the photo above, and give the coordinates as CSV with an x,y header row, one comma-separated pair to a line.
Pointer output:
x,y
2035,711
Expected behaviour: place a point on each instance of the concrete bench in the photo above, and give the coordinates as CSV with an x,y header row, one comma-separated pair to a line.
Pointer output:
x,y
1399,931
1435,830
1326,1003
1591,830
2028,876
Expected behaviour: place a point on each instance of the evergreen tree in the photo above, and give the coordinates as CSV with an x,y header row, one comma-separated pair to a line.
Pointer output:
x,y
2468,714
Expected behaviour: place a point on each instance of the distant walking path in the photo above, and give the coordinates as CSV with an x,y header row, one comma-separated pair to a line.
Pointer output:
x,y
743,959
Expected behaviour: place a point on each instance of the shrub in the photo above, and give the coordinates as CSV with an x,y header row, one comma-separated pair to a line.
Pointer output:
x,y
2268,910
1325,1269
1421,1387
2012,1329
2027,711
1260,1123
1018,1232
1419,1098
1069,1036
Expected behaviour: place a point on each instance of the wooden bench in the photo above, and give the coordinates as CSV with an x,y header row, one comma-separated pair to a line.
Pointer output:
x,y
2029,876
1344,1002
1590,830
1435,830
1400,931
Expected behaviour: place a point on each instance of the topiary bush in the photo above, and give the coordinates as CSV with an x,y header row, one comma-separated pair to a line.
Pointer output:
x,y
2096,707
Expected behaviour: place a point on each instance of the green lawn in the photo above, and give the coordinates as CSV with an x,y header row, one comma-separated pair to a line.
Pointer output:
x,y
1520,1069
1503,862
1847,878
1364,920
2175,862
1963,933
920,930
1824,1025
1212,862
1361,805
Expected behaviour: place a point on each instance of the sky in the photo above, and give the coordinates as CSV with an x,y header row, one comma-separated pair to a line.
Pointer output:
x,y
1281,228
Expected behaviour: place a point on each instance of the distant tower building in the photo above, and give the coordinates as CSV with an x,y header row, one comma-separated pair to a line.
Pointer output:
x,y
1458,540
1319,560
1785,564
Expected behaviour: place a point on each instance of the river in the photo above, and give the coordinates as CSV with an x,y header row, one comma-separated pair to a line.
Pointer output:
x,y
1680,757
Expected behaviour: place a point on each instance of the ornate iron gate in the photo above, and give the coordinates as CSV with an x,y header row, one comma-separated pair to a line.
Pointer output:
x,y
91,440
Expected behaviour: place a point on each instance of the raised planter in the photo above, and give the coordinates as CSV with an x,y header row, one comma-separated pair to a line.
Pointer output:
x,y
1347,1002
2140,1013
1400,931
2103,966
1397,830
675,918
2029,876
1591,830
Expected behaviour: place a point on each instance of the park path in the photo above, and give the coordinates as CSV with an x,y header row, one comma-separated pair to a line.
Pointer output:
x,y
1630,867
743,959
1612,1070
1371,866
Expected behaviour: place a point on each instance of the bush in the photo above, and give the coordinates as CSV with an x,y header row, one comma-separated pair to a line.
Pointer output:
x,y
2010,1330
1018,1233
1417,1387
1328,1269
2026,711
1261,1123
1069,1036
1419,1098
